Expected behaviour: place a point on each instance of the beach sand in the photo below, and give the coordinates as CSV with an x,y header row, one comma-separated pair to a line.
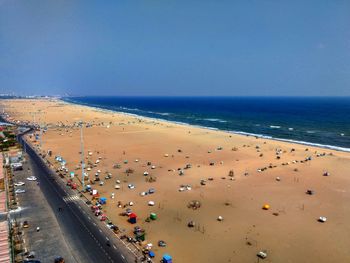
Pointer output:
x,y
288,231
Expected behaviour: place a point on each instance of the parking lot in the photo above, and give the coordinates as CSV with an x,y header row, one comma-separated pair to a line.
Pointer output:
x,y
49,242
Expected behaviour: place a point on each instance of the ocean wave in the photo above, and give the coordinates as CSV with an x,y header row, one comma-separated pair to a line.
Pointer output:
x,y
212,119
275,127
130,109
158,113
331,147
291,129
311,132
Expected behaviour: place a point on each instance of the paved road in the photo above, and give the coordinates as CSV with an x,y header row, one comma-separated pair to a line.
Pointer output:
x,y
85,237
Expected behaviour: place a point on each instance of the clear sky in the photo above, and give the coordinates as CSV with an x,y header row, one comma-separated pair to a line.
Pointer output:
x,y
175,47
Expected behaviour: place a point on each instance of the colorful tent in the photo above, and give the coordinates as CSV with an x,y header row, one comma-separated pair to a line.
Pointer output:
x,y
132,218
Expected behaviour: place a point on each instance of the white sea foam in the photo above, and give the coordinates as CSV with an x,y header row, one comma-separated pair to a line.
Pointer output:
x,y
131,109
275,127
158,113
213,120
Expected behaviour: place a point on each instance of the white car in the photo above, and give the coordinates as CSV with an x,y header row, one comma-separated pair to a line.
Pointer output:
x,y
20,191
19,184
31,178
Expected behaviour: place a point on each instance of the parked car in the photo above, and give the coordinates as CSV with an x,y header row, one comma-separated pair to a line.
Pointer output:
x,y
20,191
31,178
25,224
69,182
30,254
59,260
19,184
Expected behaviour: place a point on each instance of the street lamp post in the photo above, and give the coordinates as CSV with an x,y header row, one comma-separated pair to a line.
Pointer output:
x,y
82,156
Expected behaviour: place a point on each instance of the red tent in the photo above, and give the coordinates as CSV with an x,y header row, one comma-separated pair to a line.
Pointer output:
x,y
132,218
132,215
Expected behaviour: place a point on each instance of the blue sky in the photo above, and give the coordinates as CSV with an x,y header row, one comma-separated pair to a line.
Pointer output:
x,y
175,47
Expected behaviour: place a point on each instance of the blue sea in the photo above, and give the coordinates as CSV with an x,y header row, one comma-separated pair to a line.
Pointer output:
x,y
310,120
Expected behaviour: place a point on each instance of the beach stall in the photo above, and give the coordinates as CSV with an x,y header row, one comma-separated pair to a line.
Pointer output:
x,y
266,207
132,218
103,200
140,235
95,193
153,216
167,259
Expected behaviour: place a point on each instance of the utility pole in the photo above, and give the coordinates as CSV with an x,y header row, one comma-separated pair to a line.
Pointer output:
x,y
41,135
82,156
33,114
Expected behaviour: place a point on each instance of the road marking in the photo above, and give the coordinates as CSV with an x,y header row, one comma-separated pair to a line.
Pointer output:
x,y
70,198
114,247
107,238
94,224
100,230
89,218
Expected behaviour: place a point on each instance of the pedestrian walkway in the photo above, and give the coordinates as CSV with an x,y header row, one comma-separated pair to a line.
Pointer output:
x,y
71,198
4,231
4,244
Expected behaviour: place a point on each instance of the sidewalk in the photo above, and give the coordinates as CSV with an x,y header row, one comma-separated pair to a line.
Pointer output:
x,y
4,229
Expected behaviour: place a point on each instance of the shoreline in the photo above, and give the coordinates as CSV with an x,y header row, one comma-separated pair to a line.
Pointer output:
x,y
230,177
241,133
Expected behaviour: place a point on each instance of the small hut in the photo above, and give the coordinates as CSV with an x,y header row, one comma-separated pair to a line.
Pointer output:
x,y
266,207
167,259
153,216
103,200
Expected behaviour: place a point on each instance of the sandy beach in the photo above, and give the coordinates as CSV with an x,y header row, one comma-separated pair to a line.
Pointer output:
x,y
186,165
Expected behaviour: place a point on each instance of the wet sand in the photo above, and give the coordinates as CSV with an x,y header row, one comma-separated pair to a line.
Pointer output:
x,y
289,230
